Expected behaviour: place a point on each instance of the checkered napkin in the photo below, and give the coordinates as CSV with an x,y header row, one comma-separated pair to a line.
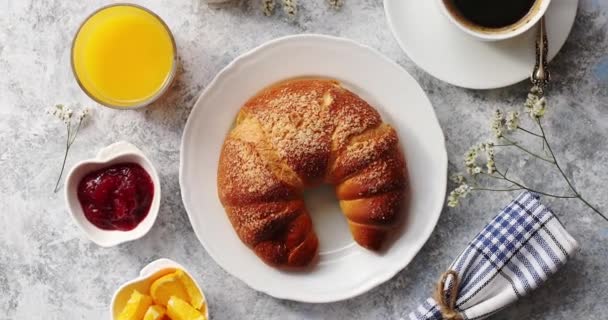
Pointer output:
x,y
518,250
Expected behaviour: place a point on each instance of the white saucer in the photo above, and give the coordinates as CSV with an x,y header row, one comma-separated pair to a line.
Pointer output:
x,y
343,269
450,55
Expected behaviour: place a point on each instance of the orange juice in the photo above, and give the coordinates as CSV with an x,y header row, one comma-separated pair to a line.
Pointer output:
x,y
123,56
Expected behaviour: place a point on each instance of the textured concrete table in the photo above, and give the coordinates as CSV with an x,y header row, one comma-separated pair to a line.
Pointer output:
x,y
49,270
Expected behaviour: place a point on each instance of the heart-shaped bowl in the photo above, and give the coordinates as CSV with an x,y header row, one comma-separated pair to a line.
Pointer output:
x,y
147,275
119,152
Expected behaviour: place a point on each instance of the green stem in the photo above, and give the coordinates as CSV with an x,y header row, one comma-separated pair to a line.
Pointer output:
x,y
503,177
554,159
514,144
65,157
578,195
530,132
490,189
592,208
75,133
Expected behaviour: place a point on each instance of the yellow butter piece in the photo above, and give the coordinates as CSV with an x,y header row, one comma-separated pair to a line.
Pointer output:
x,y
165,287
196,298
136,306
178,309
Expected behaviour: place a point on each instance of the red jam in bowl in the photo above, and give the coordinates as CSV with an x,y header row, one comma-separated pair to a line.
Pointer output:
x,y
117,197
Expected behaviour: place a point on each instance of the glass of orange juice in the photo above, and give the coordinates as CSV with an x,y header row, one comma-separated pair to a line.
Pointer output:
x,y
124,56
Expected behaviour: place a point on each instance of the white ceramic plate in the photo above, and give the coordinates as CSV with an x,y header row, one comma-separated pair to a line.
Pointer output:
x,y
344,269
450,55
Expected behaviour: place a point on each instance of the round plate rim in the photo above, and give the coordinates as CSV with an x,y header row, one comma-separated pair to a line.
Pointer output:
x,y
373,281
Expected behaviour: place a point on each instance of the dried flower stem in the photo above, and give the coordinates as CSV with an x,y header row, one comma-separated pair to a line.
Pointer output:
x,y
515,144
578,195
501,125
70,138
65,157
521,186
530,132
64,114
503,176
498,190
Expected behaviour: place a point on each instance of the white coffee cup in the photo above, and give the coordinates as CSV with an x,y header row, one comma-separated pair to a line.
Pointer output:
x,y
450,11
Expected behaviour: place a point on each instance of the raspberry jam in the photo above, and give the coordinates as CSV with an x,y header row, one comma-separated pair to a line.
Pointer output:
x,y
117,197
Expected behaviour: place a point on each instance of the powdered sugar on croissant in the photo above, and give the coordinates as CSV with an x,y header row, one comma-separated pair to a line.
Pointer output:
x,y
298,134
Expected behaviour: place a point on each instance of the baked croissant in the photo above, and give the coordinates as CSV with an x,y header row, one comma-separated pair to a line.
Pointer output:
x,y
298,134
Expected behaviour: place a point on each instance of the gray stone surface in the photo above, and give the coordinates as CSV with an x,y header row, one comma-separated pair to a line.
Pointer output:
x,y
48,269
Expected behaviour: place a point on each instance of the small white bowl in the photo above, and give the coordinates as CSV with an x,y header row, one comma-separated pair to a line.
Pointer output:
x,y
119,152
147,275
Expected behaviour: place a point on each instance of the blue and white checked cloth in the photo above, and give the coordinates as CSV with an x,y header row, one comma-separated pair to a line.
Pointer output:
x,y
518,250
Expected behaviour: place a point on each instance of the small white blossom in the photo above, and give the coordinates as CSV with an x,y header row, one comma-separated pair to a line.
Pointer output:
x,y
54,112
501,124
491,165
66,115
458,178
336,4
290,7
512,120
453,199
488,148
530,101
471,156
470,160
62,113
460,192
538,110
497,124
268,7
83,114
535,90
535,103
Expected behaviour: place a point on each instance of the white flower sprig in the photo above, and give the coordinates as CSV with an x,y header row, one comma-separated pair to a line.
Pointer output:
x,y
336,4
290,7
65,114
471,156
460,192
502,127
536,103
268,7
512,120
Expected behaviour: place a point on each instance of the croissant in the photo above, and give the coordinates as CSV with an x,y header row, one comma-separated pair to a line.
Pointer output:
x,y
298,134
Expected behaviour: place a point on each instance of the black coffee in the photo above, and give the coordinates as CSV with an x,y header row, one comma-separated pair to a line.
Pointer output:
x,y
493,13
